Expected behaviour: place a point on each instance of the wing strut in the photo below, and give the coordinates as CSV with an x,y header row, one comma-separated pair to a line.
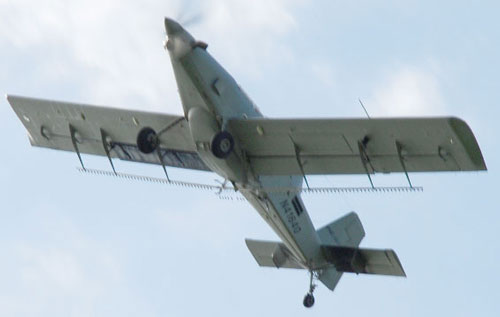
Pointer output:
x,y
162,164
364,157
164,130
399,147
72,132
170,126
297,157
106,145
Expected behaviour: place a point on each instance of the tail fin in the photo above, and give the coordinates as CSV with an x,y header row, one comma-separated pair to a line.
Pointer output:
x,y
346,231
339,243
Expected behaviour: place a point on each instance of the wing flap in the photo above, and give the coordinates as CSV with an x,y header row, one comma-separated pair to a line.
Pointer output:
x,y
336,146
48,124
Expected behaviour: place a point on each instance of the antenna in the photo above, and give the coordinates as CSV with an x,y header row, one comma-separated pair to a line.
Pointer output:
x,y
362,105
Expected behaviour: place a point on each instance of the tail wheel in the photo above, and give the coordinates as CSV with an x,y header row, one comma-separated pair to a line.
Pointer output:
x,y
222,144
308,300
147,140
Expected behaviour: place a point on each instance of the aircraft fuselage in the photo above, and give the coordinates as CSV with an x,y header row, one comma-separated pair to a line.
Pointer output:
x,y
210,98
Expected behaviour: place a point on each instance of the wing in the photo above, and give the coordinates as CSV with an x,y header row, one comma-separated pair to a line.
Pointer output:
x,y
103,131
357,146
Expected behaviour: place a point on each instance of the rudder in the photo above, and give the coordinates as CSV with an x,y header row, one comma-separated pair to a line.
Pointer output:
x,y
346,231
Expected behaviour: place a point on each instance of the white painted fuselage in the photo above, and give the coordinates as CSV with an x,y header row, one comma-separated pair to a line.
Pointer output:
x,y
210,98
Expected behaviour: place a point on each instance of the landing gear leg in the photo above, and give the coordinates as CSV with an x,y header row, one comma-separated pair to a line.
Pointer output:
x,y
309,298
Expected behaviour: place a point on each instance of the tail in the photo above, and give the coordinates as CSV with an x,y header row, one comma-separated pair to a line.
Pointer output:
x,y
346,231
339,243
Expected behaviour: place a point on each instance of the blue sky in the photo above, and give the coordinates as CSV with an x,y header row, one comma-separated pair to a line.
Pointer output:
x,y
79,245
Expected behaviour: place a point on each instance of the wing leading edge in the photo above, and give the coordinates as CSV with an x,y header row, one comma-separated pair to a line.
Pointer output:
x,y
102,131
357,146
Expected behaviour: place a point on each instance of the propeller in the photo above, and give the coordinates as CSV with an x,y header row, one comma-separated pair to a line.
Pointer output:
x,y
189,13
190,20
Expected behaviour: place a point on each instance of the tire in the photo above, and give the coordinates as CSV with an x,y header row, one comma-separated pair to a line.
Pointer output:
x,y
147,140
308,300
222,144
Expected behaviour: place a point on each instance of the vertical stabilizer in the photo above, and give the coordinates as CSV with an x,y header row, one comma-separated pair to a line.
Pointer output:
x,y
346,231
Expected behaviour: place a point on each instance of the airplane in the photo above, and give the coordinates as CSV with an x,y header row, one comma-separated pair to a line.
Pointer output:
x,y
266,160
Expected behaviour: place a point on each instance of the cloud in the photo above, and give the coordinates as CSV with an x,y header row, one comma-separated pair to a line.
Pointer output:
x,y
251,17
57,279
408,91
50,267
112,51
247,35
103,48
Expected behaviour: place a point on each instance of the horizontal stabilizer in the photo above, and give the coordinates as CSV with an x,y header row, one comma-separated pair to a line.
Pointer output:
x,y
368,261
272,254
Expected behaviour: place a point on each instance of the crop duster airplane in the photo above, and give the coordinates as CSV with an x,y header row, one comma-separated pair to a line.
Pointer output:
x,y
265,159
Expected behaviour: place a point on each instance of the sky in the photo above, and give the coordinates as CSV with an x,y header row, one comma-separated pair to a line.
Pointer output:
x,y
80,245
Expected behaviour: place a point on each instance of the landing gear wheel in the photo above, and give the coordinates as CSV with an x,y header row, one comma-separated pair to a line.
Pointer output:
x,y
147,140
222,144
308,300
